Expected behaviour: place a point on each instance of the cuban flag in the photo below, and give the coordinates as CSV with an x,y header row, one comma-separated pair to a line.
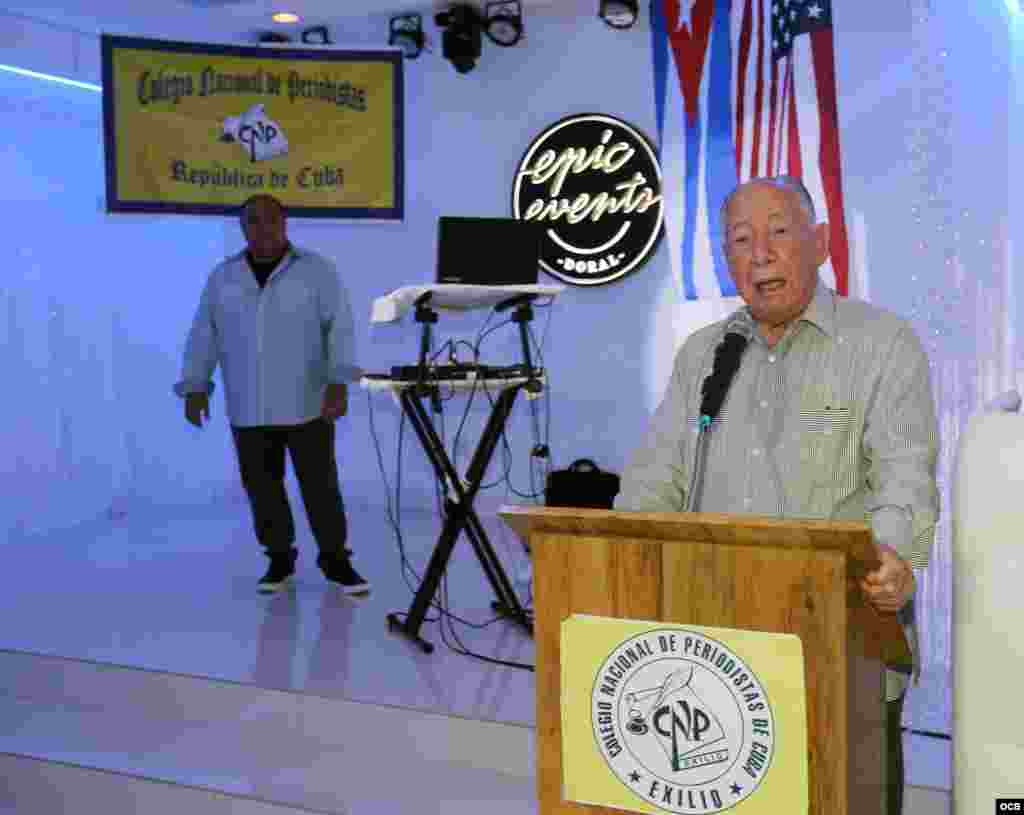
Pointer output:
x,y
743,88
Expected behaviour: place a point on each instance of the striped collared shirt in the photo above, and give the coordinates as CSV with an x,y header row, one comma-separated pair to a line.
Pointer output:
x,y
836,421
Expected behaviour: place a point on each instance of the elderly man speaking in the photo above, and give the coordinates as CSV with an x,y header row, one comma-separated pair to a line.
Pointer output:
x,y
829,414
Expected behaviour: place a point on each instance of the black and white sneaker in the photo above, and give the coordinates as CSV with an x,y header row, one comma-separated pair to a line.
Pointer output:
x,y
341,572
279,573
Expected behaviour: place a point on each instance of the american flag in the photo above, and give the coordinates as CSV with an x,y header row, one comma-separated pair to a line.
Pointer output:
x,y
743,88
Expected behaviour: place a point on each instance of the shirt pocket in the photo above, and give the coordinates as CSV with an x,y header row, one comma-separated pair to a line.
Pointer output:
x,y
294,297
825,436
232,307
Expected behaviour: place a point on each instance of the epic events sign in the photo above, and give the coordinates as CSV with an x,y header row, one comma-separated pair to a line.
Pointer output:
x,y
594,182
195,128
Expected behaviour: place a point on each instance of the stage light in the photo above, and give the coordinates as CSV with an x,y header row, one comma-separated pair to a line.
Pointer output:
x,y
504,22
462,39
272,38
317,35
284,17
406,31
619,13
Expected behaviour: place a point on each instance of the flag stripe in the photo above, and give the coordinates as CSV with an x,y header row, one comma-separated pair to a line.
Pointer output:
x,y
720,167
771,168
793,158
690,49
746,34
659,53
806,90
831,177
778,160
755,164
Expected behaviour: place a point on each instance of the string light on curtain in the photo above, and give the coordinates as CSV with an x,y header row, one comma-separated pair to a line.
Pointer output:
x,y
930,151
938,307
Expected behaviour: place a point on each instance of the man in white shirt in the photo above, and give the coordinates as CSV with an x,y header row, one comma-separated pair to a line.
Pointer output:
x,y
277,319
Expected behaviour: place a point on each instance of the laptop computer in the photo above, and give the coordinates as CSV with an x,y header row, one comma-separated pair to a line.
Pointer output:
x,y
487,251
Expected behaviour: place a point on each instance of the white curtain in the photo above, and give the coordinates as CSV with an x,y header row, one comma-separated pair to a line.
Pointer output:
x,y
964,305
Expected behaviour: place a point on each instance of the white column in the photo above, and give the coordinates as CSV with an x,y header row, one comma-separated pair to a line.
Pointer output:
x,y
988,607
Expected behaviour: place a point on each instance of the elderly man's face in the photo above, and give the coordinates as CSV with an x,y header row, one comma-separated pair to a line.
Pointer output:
x,y
263,224
774,252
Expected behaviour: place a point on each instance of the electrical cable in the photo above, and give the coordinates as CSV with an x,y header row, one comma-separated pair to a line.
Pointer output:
x,y
446,618
393,511
538,442
463,650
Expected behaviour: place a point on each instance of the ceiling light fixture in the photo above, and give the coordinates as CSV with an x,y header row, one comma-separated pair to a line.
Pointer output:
x,y
504,22
461,39
406,32
285,17
619,13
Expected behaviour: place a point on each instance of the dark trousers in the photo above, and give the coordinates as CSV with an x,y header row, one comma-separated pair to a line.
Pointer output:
x,y
261,462
894,756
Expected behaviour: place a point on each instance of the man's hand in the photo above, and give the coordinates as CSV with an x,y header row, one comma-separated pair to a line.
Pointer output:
x,y
335,401
890,587
197,405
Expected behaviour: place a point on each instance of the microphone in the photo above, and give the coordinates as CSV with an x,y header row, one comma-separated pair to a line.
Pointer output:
x,y
738,332
727,361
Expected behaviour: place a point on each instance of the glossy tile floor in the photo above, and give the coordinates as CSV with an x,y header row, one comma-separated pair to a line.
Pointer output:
x,y
301,701
180,595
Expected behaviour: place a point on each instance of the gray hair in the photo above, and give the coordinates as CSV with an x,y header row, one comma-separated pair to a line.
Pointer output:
x,y
783,182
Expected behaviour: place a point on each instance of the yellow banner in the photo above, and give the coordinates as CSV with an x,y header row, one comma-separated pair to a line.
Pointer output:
x,y
200,128
684,719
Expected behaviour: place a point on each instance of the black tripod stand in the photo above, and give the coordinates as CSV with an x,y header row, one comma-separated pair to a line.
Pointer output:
x,y
458,510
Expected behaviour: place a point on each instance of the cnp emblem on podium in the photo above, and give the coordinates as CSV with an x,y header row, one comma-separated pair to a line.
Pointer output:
x,y
679,718
684,720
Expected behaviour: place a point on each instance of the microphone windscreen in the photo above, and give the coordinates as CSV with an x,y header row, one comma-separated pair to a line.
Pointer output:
x,y
724,367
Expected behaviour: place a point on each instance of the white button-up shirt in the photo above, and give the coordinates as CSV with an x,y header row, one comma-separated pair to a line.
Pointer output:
x,y
279,346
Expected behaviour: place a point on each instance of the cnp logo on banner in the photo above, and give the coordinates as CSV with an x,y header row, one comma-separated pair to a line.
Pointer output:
x,y
594,183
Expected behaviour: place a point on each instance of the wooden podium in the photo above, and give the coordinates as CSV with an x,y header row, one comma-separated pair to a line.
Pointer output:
x,y
729,571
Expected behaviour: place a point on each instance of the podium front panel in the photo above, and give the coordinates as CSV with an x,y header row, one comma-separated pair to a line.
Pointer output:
x,y
772,588
688,720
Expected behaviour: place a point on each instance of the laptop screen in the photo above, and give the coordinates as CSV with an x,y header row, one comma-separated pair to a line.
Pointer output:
x,y
487,251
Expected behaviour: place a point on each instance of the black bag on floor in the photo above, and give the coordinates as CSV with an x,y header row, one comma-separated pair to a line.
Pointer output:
x,y
581,484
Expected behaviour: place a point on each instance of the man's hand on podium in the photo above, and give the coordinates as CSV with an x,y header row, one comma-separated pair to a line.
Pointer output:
x,y
890,587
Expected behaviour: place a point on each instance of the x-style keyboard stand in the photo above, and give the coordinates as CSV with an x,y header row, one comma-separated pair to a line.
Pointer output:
x,y
458,504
